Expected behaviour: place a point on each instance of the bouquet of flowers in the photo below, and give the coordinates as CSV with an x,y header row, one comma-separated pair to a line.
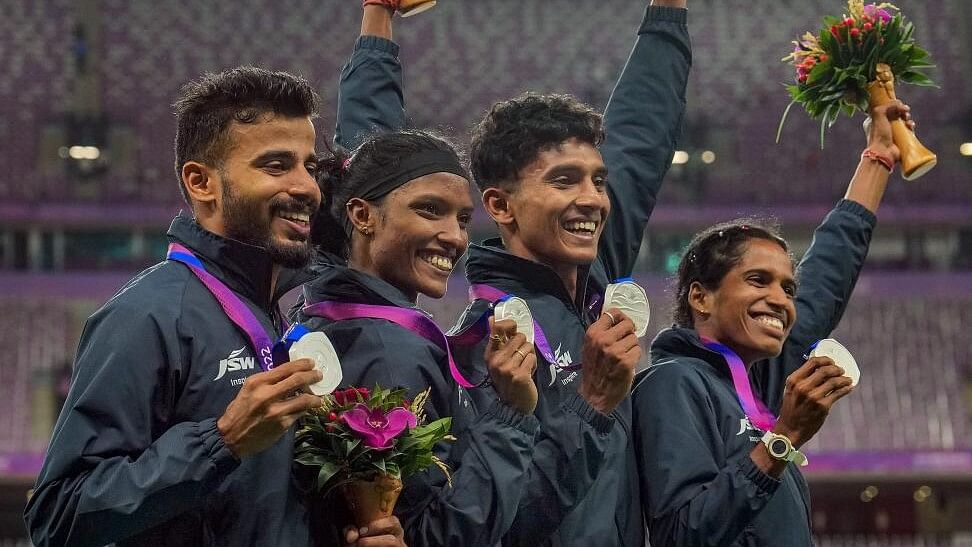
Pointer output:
x,y
851,64
366,442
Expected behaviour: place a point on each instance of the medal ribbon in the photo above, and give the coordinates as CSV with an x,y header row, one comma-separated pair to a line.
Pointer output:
x,y
480,328
409,318
233,307
755,410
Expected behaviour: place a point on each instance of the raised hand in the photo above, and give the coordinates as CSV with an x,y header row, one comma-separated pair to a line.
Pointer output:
x,y
810,392
877,127
267,405
610,354
511,360
385,532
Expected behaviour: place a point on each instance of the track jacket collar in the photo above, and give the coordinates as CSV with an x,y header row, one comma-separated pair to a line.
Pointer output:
x,y
246,269
340,283
492,264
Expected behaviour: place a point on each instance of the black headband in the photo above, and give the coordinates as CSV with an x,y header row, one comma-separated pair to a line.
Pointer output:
x,y
400,173
409,168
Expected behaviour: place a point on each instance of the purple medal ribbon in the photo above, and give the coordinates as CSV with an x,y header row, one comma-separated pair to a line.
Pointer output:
x,y
479,330
411,319
235,309
755,410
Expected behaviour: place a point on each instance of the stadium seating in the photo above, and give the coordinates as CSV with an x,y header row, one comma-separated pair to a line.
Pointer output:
x,y
459,60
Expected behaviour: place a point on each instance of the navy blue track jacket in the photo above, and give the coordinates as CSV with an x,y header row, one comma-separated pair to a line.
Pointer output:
x,y
493,450
136,458
698,484
581,488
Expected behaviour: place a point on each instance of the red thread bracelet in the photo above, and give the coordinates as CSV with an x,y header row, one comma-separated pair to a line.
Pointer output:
x,y
887,162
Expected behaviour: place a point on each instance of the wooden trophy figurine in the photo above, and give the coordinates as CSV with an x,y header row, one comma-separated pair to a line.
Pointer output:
x,y
916,160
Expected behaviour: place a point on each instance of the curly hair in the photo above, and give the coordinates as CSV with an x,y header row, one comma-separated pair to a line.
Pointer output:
x,y
207,106
712,253
339,175
515,132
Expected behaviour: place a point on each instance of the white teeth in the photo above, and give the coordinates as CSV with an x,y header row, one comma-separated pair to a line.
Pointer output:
x,y
302,218
770,321
440,262
581,226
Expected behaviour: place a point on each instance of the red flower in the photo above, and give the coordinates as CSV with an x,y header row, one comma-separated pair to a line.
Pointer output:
x,y
849,21
867,27
823,58
364,392
332,417
855,32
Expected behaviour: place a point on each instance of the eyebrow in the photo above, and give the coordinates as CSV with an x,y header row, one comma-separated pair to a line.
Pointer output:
x,y
762,271
270,155
432,196
573,169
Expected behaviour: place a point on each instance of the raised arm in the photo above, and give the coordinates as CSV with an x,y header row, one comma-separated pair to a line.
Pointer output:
x,y
830,268
642,122
105,477
371,97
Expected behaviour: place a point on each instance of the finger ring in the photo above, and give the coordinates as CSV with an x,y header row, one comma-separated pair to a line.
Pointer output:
x,y
495,337
614,320
520,353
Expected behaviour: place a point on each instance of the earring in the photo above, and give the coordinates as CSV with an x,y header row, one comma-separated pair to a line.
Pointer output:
x,y
366,230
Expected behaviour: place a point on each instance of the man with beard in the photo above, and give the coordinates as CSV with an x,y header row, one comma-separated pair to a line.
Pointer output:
x,y
177,428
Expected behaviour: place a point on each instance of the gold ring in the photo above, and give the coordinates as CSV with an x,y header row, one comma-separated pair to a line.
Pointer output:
x,y
614,320
518,351
495,338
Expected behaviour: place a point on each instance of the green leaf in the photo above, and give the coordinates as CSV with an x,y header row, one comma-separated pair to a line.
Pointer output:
x,y
328,470
786,112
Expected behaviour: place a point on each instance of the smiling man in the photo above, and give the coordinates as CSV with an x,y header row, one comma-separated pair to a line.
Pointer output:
x,y
542,163
177,429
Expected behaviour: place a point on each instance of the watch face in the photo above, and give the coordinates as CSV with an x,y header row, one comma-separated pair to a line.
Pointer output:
x,y
778,448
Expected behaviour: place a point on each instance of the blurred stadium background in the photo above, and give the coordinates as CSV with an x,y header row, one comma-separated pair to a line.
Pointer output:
x,y
87,190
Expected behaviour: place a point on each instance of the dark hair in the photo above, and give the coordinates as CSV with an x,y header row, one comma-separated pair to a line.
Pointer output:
x,y
208,105
340,175
515,132
712,253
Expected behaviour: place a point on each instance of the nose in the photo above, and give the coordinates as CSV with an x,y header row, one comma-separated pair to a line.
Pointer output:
x,y
454,236
777,297
304,185
589,195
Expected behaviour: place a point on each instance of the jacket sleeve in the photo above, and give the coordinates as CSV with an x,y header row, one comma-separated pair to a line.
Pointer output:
x,y
371,97
641,124
488,461
826,276
692,494
114,468
567,458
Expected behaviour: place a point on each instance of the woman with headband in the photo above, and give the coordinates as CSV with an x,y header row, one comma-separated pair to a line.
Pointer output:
x,y
729,400
397,213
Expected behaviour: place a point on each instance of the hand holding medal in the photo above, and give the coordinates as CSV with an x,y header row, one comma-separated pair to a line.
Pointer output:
x,y
632,300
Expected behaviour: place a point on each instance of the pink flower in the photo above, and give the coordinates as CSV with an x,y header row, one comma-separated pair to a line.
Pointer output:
x,y
873,12
376,428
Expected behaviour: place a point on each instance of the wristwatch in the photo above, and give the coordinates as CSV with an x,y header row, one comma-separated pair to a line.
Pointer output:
x,y
780,448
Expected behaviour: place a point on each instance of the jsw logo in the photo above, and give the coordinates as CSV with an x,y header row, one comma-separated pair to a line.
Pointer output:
x,y
234,362
563,360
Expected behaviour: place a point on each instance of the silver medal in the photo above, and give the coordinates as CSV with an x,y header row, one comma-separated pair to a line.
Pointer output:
x,y
316,347
516,309
829,347
632,300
